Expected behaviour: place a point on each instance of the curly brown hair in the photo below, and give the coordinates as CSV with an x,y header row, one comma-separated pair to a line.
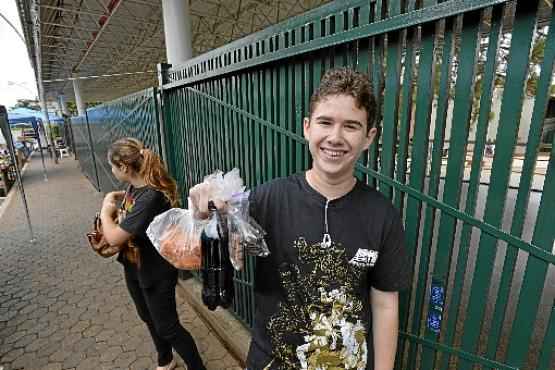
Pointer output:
x,y
345,81
133,154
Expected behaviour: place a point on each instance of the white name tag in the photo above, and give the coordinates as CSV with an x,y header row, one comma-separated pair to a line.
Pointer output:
x,y
365,258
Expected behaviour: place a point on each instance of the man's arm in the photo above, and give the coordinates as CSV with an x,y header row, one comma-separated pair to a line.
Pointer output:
x,y
385,326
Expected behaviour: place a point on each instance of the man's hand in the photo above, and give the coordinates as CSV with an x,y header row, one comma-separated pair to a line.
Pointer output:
x,y
199,196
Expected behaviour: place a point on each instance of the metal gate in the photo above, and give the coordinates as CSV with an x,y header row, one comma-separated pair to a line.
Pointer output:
x,y
478,224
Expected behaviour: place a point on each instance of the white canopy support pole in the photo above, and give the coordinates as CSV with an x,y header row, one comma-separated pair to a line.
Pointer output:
x,y
177,30
5,128
35,13
63,105
47,120
60,100
78,100
37,132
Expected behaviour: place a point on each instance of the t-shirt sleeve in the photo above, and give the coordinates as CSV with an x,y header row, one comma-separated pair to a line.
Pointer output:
x,y
253,196
143,212
392,270
258,200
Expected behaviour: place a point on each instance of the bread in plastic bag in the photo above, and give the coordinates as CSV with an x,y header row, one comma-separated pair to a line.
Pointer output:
x,y
176,236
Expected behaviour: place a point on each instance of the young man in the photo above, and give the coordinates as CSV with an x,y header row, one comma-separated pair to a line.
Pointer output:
x,y
328,292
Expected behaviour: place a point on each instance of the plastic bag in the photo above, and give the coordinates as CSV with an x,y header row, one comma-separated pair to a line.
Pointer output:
x,y
176,236
224,187
245,235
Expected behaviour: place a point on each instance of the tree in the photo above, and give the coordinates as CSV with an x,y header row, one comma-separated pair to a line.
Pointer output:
x,y
27,103
72,107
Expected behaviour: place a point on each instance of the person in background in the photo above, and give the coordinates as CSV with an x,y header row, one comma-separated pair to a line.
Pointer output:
x,y
150,279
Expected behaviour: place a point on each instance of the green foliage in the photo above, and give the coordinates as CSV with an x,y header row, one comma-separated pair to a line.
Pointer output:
x,y
72,107
27,103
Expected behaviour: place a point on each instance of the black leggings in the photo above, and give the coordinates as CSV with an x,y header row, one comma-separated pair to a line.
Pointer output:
x,y
157,308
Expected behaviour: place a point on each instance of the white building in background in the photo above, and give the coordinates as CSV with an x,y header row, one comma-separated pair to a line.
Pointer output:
x,y
494,124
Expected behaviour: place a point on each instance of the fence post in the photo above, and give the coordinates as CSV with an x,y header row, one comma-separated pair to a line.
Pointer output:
x,y
163,69
91,146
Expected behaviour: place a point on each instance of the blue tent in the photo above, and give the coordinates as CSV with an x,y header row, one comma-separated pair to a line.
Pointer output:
x,y
33,117
20,115
36,119
15,118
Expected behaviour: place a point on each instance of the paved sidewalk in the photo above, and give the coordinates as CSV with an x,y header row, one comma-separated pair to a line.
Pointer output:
x,y
62,306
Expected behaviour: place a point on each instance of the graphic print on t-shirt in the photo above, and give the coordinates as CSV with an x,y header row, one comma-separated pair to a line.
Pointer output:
x,y
129,202
320,322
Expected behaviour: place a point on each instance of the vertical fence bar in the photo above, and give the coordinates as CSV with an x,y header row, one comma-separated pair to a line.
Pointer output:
x,y
376,67
405,111
436,163
420,139
269,116
258,130
298,109
307,91
282,117
390,107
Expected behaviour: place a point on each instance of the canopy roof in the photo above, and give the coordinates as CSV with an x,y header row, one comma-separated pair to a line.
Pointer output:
x,y
22,115
125,38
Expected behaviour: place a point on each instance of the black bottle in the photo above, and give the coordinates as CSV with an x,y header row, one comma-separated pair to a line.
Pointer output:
x,y
217,271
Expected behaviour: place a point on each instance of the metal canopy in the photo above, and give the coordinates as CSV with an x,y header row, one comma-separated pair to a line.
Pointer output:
x,y
123,40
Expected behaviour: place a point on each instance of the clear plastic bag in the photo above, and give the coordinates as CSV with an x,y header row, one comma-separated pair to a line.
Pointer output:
x,y
245,235
176,236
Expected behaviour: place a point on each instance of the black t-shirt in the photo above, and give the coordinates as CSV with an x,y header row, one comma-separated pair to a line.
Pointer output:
x,y
140,207
295,284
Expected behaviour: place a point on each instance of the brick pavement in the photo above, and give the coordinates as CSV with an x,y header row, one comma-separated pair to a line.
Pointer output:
x,y
63,307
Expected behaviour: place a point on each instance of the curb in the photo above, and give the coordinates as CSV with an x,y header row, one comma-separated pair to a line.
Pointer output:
x,y
234,336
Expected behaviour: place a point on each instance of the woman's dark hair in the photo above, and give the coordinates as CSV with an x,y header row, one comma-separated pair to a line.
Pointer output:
x,y
133,154
344,81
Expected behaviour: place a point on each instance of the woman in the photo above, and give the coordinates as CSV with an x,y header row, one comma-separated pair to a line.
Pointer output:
x,y
151,280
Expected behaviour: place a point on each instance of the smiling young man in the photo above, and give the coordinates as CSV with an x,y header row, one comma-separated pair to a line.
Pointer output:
x,y
328,292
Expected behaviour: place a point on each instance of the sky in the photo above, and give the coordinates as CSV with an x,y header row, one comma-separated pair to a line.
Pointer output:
x,y
17,79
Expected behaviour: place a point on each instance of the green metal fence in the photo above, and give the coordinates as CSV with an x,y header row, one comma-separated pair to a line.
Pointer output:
x,y
84,149
134,115
483,292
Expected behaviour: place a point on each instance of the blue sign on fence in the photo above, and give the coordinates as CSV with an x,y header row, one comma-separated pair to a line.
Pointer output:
x,y
437,302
